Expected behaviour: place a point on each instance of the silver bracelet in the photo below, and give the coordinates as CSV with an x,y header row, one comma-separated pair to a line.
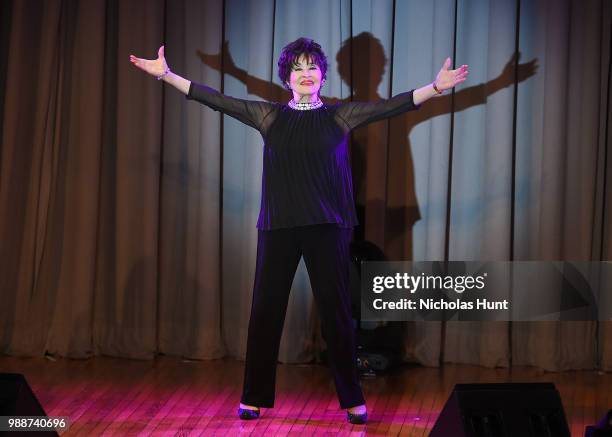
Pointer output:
x,y
163,74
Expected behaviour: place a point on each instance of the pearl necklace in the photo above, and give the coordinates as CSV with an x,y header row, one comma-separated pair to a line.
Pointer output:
x,y
305,106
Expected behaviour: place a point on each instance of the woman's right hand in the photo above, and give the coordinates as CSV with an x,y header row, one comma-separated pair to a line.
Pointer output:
x,y
155,67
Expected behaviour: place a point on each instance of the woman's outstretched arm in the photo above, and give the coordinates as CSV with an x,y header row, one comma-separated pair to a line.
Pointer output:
x,y
159,68
446,79
252,113
356,114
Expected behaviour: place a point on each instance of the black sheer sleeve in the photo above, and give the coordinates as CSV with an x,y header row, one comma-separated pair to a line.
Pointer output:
x,y
356,114
257,114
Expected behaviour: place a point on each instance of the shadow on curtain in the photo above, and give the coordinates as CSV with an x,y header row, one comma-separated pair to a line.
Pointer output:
x,y
128,223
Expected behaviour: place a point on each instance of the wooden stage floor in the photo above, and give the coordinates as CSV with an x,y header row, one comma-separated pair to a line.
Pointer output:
x,y
170,396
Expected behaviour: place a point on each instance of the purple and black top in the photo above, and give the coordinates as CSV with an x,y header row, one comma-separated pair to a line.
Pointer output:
x,y
306,168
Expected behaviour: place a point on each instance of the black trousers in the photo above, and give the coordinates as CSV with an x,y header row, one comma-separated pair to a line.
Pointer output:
x,y
325,249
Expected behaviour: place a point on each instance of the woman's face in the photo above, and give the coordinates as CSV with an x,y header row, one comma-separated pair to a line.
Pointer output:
x,y
305,77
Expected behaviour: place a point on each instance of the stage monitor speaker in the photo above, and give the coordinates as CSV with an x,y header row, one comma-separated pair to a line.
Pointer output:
x,y
17,399
602,429
502,410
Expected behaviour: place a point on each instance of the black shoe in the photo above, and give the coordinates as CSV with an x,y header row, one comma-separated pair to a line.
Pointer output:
x,y
246,414
357,419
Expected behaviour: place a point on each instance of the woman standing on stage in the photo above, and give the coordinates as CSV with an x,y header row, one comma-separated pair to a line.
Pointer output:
x,y
307,209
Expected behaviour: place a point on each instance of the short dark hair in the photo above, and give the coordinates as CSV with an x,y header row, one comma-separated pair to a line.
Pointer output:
x,y
292,52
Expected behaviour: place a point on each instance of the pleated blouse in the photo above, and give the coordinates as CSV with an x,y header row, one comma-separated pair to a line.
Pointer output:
x,y
306,168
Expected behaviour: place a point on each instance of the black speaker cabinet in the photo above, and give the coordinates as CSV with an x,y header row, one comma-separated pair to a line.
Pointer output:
x,y
17,399
502,410
602,429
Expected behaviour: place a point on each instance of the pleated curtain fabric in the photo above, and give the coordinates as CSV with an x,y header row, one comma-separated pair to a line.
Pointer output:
x,y
559,167
482,156
128,214
189,288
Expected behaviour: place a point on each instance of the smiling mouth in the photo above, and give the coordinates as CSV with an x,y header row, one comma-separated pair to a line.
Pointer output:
x,y
307,82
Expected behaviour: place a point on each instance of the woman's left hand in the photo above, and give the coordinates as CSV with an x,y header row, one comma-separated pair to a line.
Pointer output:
x,y
446,79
